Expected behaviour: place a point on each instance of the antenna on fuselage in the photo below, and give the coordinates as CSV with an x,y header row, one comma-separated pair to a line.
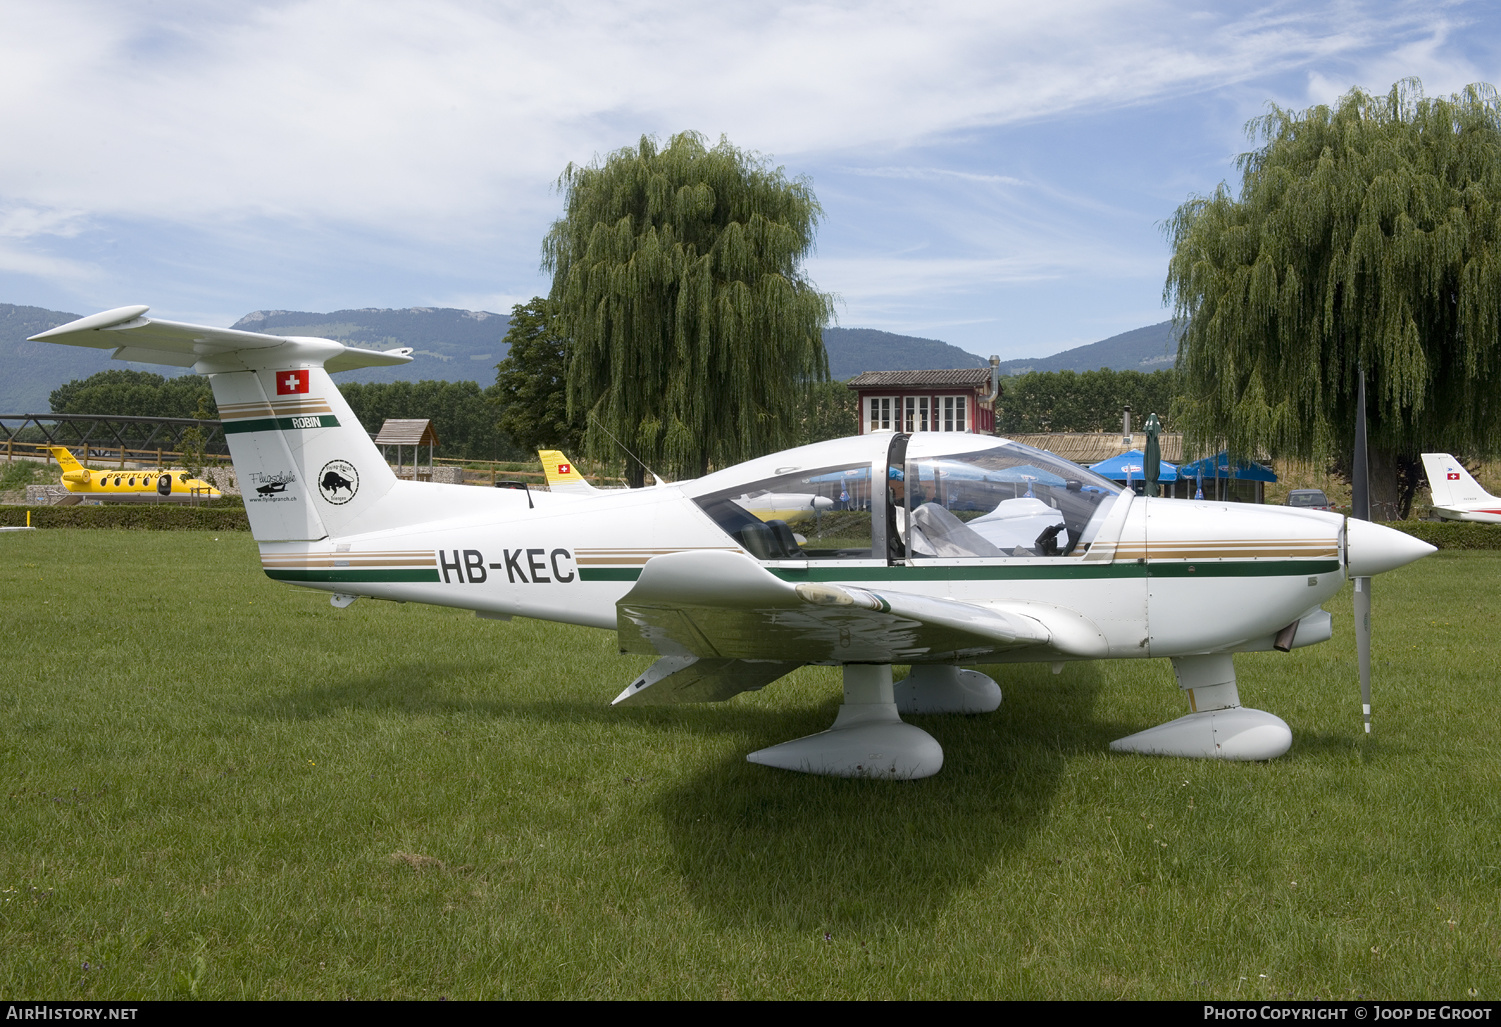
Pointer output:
x,y
654,477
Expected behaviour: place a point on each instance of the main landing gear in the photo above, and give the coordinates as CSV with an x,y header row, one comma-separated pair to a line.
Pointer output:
x,y
869,739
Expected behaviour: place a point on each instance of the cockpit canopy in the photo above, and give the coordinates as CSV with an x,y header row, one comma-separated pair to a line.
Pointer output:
x,y
911,498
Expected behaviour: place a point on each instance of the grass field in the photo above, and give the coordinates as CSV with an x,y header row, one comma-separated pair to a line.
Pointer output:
x,y
219,786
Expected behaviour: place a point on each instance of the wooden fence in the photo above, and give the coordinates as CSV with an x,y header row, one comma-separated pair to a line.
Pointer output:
x,y
475,472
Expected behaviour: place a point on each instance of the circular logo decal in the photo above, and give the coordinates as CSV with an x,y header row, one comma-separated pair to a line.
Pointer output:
x,y
338,482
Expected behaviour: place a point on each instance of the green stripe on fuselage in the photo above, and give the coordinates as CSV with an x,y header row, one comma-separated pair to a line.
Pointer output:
x,y
342,574
609,573
280,423
833,571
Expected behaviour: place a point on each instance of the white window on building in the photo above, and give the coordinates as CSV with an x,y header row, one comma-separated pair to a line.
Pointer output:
x,y
954,408
915,415
878,413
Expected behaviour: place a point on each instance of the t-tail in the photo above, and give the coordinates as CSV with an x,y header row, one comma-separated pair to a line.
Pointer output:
x,y
290,433
561,475
65,459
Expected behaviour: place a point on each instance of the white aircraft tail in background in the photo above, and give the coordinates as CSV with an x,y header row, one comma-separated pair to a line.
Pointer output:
x,y
1456,495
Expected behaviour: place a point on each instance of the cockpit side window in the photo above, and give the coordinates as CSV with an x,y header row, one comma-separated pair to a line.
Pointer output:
x,y
811,514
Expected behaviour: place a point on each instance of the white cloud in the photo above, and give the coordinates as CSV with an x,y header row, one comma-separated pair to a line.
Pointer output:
x,y
313,141
20,221
21,261
418,116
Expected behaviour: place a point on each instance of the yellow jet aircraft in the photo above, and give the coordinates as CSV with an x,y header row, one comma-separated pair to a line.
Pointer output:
x,y
128,486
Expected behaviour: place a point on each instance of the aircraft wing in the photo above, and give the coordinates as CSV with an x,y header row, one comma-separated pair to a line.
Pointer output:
x,y
722,605
148,340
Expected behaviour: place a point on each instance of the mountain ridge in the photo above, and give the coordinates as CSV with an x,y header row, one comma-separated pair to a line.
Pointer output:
x,y
465,345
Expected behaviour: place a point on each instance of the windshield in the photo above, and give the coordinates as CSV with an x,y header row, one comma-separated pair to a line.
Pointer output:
x,y
1010,500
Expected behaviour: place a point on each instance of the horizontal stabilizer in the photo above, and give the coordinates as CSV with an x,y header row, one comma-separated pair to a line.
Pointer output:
x,y
722,605
135,337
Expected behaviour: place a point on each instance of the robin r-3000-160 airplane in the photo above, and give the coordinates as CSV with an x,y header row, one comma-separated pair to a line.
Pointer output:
x,y
1456,495
123,486
954,550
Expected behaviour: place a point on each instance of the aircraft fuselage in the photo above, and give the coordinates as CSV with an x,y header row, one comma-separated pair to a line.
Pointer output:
x,y
1164,577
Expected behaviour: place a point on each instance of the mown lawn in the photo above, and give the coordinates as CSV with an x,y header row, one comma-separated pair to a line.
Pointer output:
x,y
216,785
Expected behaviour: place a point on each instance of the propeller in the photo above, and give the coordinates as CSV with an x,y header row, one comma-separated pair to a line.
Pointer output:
x,y
1360,509
1152,458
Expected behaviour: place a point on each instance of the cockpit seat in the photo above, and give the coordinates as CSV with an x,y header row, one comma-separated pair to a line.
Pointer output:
x,y
1016,522
769,540
936,532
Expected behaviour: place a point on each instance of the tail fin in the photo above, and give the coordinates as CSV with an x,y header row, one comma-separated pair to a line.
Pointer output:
x,y
64,459
306,467
1451,484
561,475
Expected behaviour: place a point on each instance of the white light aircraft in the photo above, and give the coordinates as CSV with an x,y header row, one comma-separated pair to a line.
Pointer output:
x,y
1456,495
971,550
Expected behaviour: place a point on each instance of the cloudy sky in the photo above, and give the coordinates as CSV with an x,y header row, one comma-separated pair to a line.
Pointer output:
x,y
992,174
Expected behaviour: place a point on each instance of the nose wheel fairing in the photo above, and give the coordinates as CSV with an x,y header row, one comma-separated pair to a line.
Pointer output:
x,y
1219,727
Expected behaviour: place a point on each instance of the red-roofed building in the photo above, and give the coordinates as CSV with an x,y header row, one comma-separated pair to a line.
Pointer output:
x,y
953,400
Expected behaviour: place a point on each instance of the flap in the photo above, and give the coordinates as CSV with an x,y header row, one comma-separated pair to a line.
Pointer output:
x,y
680,679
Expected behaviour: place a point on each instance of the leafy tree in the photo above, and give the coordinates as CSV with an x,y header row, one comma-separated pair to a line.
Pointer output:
x,y
462,413
193,441
1366,239
531,383
129,393
677,277
1047,401
831,411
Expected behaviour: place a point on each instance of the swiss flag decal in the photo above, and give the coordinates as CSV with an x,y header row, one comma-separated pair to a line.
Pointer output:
x,y
289,382
565,468
1453,475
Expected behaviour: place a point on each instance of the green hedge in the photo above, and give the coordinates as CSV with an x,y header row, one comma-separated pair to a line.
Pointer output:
x,y
148,517
1452,534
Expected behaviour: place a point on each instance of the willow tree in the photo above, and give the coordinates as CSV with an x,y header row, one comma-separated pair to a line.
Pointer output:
x,y
1366,239
677,277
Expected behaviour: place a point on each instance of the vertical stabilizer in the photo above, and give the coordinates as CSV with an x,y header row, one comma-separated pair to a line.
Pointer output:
x,y
306,467
64,458
1451,484
561,475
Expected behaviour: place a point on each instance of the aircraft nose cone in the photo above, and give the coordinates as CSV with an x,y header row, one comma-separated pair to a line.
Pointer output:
x,y
1374,548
